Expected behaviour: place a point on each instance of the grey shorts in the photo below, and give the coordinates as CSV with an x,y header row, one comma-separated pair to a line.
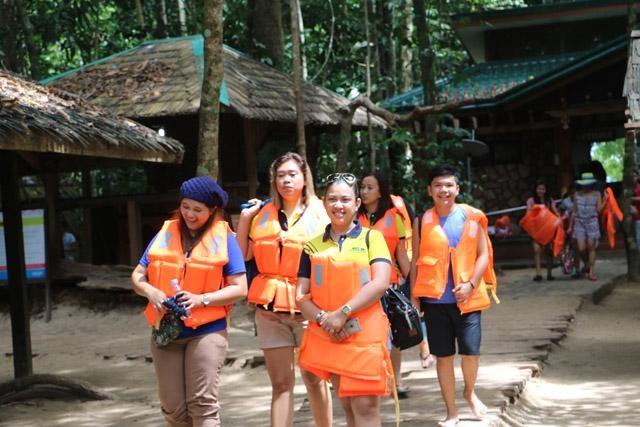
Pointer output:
x,y
586,229
278,329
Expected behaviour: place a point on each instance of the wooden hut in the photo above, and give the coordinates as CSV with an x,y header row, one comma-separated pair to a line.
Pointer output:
x,y
159,83
545,84
44,131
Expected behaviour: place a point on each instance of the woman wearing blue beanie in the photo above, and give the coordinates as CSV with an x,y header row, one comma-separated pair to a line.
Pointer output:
x,y
191,273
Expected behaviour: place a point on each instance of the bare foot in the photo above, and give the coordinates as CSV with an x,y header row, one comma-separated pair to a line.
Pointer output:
x,y
449,422
477,407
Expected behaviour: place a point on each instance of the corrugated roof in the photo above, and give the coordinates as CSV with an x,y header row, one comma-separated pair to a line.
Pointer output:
x,y
491,81
44,119
164,78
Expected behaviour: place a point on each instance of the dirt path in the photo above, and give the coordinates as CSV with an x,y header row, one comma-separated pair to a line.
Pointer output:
x,y
99,336
593,377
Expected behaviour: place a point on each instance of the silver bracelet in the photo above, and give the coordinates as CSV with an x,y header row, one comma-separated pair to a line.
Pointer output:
x,y
319,316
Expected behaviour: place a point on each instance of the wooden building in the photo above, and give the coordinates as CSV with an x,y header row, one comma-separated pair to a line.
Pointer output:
x,y
545,84
44,131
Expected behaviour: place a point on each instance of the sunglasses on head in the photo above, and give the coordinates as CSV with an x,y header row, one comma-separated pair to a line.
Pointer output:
x,y
347,178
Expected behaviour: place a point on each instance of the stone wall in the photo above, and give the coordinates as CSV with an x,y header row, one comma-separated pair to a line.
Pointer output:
x,y
503,186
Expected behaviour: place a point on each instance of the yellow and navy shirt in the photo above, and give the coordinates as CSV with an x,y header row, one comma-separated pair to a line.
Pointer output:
x,y
360,244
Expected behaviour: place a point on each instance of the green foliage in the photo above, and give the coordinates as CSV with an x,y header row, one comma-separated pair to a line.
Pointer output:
x,y
611,155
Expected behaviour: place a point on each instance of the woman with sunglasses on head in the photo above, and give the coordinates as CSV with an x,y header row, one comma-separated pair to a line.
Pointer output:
x,y
343,274
274,234
194,259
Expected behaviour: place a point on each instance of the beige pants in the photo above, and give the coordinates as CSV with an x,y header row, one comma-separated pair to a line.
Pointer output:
x,y
188,373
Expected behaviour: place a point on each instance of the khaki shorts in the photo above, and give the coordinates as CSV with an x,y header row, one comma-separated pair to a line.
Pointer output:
x,y
278,329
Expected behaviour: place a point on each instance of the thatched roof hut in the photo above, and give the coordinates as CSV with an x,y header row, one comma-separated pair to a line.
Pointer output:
x,y
164,78
45,119
159,83
41,130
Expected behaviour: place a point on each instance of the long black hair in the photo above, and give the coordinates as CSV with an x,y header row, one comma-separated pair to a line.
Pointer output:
x,y
547,197
385,203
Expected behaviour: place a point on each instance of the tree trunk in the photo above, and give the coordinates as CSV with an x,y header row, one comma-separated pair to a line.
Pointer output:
x,y
303,57
631,246
34,55
161,20
297,79
139,13
372,146
406,50
9,35
427,128
265,25
182,18
388,49
210,98
425,52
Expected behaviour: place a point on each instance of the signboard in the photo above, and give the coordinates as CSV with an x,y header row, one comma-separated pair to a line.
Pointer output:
x,y
34,245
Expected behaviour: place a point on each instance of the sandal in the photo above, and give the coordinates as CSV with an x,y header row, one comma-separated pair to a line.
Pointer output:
x,y
403,391
427,361
538,278
592,277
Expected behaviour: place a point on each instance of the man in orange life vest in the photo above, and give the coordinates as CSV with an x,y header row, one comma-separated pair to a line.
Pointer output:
x,y
450,257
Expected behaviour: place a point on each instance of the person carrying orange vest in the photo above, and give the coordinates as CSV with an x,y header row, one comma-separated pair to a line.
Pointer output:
x,y
385,213
583,224
194,259
539,196
451,259
342,276
274,235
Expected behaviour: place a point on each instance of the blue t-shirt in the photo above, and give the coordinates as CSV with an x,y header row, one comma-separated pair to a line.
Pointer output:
x,y
234,266
452,226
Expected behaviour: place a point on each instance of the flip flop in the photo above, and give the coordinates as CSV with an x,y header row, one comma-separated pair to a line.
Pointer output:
x,y
427,362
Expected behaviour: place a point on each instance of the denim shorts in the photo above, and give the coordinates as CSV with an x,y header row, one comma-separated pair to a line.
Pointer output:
x,y
446,327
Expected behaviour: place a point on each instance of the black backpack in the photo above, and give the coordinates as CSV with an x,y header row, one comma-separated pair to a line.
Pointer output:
x,y
406,328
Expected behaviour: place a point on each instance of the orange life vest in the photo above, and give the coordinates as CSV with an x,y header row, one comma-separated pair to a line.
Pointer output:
x,y
436,254
398,202
387,226
277,254
611,209
541,224
361,360
199,273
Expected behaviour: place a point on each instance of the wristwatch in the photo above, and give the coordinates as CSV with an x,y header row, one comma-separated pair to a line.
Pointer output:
x,y
346,310
319,316
205,300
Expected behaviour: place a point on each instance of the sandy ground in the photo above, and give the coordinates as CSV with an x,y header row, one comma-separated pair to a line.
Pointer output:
x,y
593,377
110,349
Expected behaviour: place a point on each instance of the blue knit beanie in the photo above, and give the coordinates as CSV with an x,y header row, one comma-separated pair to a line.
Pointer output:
x,y
205,190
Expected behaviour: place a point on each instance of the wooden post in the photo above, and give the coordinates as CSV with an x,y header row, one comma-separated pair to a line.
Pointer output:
x,y
53,237
13,241
250,158
562,139
135,231
86,242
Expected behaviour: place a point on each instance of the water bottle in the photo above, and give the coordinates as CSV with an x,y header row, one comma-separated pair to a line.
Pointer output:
x,y
176,287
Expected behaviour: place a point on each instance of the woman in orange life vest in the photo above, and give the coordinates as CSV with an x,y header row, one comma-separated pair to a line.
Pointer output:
x,y
343,274
377,211
188,368
540,197
274,235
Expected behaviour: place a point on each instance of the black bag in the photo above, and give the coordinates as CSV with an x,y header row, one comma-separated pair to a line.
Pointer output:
x,y
406,329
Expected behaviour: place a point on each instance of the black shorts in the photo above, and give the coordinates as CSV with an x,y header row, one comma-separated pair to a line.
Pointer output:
x,y
445,326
